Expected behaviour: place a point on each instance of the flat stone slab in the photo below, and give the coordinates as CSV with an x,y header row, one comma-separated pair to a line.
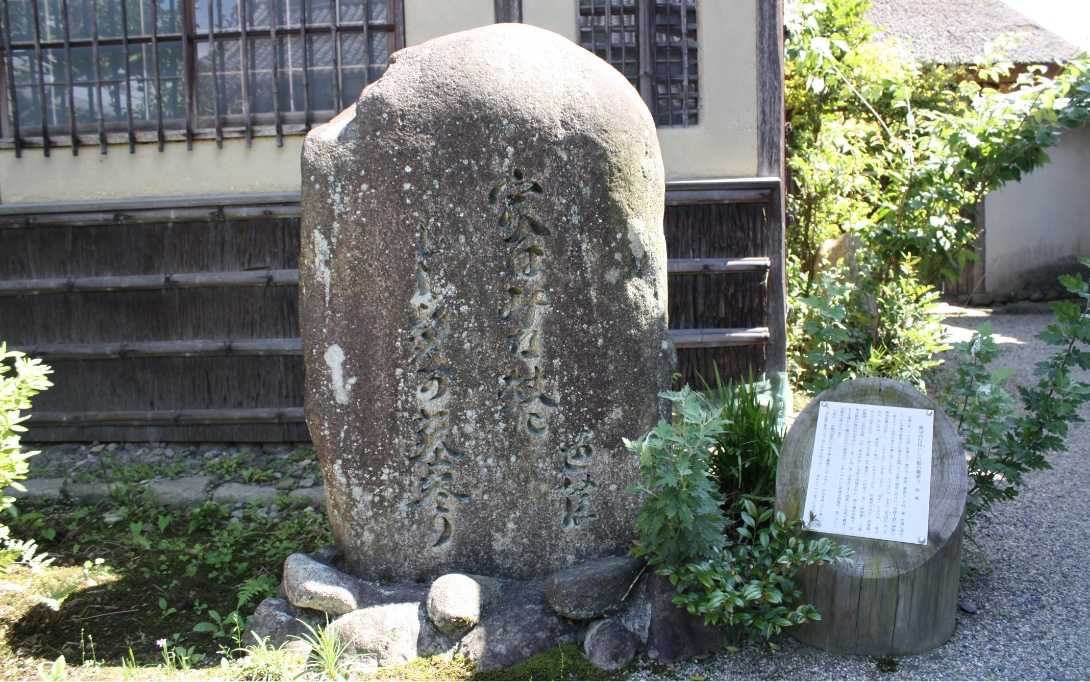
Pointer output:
x,y
315,495
89,493
483,307
181,492
232,493
37,489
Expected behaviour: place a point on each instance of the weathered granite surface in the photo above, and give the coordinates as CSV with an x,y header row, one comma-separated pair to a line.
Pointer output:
x,y
483,307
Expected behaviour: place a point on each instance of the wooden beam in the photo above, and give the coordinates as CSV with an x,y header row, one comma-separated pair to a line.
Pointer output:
x,y
718,196
710,266
267,415
719,338
770,163
508,11
163,349
193,280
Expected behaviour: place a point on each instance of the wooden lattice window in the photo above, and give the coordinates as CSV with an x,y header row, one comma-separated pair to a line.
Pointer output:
x,y
665,68
157,70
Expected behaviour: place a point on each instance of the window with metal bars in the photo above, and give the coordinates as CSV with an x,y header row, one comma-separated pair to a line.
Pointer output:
x,y
159,70
654,44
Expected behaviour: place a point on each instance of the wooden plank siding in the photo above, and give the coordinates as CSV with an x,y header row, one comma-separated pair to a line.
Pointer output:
x,y
177,320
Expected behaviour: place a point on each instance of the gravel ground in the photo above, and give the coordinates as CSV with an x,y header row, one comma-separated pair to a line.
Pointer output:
x,y
1032,589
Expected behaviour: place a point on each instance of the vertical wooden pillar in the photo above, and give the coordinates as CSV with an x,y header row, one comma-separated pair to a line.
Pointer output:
x,y
770,163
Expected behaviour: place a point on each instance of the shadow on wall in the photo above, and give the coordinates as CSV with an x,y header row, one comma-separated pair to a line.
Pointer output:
x,y
1042,282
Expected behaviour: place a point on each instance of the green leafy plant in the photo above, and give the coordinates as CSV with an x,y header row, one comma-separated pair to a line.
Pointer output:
x,y
176,656
232,626
752,584
28,379
894,157
682,516
1002,443
745,455
55,672
742,577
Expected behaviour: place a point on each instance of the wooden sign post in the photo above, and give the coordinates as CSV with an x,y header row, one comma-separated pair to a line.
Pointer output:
x,y
883,471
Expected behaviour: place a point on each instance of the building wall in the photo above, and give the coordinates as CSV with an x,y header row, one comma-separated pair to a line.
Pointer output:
x,y
175,171
1040,224
723,145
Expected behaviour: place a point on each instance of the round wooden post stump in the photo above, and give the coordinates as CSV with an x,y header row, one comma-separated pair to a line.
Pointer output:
x,y
895,598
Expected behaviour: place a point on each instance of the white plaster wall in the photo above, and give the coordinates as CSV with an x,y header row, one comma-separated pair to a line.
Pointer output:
x,y
427,19
724,144
559,16
1043,218
175,171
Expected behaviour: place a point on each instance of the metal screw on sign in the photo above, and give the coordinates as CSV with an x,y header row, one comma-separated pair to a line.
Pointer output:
x,y
923,540
929,413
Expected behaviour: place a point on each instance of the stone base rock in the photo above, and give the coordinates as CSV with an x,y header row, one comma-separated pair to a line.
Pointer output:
x,y
609,644
495,623
593,589
314,585
390,632
667,632
522,625
456,601
278,623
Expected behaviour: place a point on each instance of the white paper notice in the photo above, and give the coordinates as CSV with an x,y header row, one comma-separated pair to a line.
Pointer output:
x,y
870,475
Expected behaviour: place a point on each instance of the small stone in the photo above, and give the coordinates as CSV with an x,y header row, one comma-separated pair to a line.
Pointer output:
x,y
37,489
286,484
314,585
277,448
609,645
158,452
314,495
594,588
390,632
97,448
113,517
148,527
232,493
968,607
307,482
456,601
183,492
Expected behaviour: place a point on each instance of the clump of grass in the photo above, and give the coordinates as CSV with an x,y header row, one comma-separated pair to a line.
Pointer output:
x,y
265,663
747,452
328,655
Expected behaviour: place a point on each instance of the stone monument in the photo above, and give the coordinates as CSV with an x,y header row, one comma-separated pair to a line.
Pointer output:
x,y
483,307
882,470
